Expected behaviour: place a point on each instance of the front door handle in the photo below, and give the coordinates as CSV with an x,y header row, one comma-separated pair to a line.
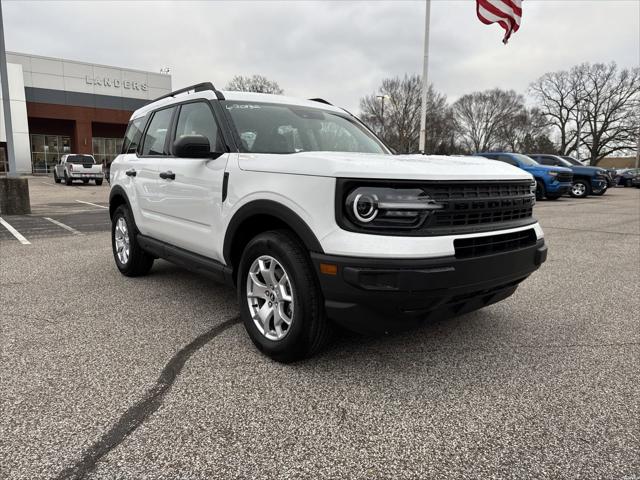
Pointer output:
x,y
131,173
168,175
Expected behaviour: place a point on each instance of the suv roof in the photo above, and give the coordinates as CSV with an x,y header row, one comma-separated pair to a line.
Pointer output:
x,y
197,91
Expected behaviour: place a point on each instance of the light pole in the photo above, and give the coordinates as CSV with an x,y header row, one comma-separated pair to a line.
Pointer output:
x,y
382,99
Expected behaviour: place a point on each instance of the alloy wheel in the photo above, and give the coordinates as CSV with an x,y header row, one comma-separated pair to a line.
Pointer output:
x,y
578,189
121,234
270,297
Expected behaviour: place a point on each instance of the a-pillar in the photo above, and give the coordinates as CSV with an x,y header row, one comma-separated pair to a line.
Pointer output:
x,y
82,137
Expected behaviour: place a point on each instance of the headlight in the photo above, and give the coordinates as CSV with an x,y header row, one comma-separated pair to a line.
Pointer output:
x,y
552,174
380,207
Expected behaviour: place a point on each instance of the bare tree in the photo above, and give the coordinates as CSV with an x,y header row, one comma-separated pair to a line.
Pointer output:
x,y
611,109
399,124
481,118
527,131
557,95
255,83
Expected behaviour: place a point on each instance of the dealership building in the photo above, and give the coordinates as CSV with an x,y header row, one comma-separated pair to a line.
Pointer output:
x,y
62,106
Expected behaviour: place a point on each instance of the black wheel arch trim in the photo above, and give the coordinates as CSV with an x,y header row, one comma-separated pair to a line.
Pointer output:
x,y
118,191
275,209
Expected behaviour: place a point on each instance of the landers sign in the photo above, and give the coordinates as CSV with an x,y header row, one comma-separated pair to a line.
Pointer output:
x,y
116,83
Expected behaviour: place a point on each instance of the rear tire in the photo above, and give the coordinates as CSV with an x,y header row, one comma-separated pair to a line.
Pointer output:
x,y
599,193
85,181
295,296
130,258
553,197
98,181
628,182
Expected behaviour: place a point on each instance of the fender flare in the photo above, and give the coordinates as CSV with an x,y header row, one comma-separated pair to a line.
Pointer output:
x,y
118,191
274,209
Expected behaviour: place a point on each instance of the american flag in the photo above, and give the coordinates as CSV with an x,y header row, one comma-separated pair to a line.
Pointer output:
x,y
506,13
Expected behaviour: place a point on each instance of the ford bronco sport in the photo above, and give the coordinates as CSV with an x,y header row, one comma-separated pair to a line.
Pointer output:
x,y
306,212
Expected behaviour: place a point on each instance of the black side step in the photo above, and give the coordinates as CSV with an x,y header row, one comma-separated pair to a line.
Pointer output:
x,y
189,260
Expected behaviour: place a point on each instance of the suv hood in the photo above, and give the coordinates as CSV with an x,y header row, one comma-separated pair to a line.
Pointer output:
x,y
546,168
366,165
588,170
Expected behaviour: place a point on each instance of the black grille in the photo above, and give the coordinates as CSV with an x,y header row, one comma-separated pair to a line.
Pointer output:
x,y
565,177
479,246
479,203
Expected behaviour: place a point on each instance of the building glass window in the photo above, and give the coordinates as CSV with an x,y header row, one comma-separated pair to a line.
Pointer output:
x,y
46,151
106,149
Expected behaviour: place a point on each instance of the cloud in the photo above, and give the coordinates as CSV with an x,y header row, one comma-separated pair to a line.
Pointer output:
x,y
336,50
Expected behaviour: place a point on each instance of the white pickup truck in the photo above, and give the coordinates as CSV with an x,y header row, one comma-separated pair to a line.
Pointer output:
x,y
77,167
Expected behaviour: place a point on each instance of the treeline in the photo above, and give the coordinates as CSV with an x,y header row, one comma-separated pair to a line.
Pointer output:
x,y
594,107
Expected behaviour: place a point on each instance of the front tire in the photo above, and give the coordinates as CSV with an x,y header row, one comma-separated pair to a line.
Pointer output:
x,y
599,193
130,258
580,189
56,178
67,179
280,300
98,181
540,190
628,182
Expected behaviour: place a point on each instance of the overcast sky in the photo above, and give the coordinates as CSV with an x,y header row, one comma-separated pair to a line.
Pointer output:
x,y
335,50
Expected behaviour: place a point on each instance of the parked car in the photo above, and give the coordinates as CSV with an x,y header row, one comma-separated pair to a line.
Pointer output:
x,y
586,180
551,182
307,213
625,176
635,181
76,166
610,172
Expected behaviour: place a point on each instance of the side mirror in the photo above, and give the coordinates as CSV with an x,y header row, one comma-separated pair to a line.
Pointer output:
x,y
192,146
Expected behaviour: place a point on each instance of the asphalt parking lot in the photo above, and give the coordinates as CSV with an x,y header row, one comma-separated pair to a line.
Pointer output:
x,y
107,377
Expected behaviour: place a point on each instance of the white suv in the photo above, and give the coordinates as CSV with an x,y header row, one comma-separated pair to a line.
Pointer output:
x,y
298,205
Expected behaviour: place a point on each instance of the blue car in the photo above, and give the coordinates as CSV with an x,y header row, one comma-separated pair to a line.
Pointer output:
x,y
551,182
586,180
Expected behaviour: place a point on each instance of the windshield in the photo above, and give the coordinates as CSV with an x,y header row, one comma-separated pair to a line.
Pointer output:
x,y
572,161
524,159
80,159
275,128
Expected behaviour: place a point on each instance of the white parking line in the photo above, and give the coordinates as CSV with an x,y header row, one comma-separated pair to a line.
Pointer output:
x,y
62,225
47,183
14,232
94,204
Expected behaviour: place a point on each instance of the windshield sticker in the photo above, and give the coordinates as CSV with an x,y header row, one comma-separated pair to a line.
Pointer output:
x,y
244,106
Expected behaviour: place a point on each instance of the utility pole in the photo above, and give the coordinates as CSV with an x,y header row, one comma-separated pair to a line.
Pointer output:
x,y
638,149
425,82
6,102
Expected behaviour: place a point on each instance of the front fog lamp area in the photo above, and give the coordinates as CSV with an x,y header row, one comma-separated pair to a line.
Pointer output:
x,y
377,207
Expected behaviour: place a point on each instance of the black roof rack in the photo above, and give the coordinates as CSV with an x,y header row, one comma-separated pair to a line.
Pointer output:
x,y
198,87
321,100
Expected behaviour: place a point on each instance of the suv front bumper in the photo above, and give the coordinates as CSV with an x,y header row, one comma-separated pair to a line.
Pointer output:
x,y
376,295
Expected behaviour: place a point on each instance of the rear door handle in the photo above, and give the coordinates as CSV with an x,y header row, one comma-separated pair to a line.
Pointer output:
x,y
131,173
168,175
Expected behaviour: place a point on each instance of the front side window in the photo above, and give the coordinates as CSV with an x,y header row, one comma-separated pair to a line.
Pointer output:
x,y
197,119
155,138
507,159
133,135
274,128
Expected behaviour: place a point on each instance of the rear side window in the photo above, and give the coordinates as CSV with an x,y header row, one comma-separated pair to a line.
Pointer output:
x,y
133,135
155,138
197,119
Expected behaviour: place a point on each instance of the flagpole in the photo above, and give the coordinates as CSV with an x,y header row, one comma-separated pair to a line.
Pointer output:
x,y
425,81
